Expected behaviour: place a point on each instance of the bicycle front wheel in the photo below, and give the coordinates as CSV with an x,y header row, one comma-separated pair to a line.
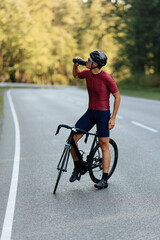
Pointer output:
x,y
95,168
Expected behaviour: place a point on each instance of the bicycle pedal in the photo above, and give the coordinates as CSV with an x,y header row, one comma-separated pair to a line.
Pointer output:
x,y
83,171
79,177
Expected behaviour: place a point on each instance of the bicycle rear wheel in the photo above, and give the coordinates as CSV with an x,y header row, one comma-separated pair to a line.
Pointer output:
x,y
95,168
61,168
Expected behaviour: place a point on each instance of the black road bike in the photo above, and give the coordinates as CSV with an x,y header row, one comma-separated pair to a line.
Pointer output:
x,y
93,161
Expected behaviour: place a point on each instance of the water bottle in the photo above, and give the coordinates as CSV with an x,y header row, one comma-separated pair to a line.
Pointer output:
x,y
79,61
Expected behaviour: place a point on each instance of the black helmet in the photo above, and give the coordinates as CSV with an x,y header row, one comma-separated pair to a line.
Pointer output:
x,y
99,57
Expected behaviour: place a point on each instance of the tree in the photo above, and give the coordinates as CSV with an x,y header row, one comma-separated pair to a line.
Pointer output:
x,y
92,32
136,31
39,38
12,51
25,44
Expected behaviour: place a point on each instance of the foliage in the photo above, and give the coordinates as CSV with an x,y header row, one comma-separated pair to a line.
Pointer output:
x,y
39,38
137,32
147,93
141,81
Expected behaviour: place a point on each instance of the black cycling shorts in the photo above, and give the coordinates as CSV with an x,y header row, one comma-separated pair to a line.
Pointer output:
x,y
92,117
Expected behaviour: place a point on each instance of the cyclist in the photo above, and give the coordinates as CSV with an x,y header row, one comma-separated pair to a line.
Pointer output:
x,y
99,84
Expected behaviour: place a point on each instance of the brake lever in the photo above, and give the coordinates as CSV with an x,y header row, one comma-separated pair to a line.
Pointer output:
x,y
86,138
58,128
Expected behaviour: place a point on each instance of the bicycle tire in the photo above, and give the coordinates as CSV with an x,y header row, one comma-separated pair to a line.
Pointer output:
x,y
95,166
61,170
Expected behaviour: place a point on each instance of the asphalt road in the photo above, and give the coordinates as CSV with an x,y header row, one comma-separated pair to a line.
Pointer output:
x,y
128,210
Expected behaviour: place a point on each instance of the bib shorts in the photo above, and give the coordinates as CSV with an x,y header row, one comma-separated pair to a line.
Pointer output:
x,y
95,117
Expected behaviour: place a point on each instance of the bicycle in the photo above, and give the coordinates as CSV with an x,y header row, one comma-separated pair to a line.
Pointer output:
x,y
93,163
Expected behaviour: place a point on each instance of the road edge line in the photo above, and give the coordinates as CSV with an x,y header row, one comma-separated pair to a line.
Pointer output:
x,y
144,126
8,220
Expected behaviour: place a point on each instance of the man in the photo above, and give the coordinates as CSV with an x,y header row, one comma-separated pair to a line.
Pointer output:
x,y
99,84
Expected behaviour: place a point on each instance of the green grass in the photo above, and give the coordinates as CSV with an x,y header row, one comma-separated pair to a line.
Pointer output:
x,y
150,94
1,99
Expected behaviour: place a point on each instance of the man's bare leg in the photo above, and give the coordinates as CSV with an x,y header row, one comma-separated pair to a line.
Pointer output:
x,y
104,144
77,164
76,138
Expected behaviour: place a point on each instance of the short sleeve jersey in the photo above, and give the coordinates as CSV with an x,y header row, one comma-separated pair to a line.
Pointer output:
x,y
99,87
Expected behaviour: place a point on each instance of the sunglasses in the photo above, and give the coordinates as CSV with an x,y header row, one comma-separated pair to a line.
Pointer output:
x,y
89,60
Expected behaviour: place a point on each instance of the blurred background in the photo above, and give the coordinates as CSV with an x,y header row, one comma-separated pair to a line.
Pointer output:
x,y
39,38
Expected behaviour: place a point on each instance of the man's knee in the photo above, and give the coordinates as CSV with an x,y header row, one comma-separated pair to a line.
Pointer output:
x,y
104,144
77,137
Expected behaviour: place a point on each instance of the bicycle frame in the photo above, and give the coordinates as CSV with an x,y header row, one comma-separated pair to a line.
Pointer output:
x,y
71,144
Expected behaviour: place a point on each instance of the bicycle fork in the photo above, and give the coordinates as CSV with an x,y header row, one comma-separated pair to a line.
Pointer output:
x,y
63,163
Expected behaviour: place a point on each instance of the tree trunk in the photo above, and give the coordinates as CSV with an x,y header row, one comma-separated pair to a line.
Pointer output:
x,y
12,76
158,61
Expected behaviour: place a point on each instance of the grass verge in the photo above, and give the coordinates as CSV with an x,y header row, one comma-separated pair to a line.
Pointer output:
x,y
1,99
150,94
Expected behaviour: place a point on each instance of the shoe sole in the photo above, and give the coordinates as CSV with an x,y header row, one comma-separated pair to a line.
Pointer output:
x,y
100,187
78,178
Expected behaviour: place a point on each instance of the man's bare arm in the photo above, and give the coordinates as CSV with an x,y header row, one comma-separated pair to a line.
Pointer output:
x,y
75,70
117,99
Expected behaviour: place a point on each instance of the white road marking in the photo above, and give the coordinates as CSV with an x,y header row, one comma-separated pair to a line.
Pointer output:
x,y
144,126
8,220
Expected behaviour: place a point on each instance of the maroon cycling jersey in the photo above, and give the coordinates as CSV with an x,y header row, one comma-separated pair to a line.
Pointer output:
x,y
99,88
